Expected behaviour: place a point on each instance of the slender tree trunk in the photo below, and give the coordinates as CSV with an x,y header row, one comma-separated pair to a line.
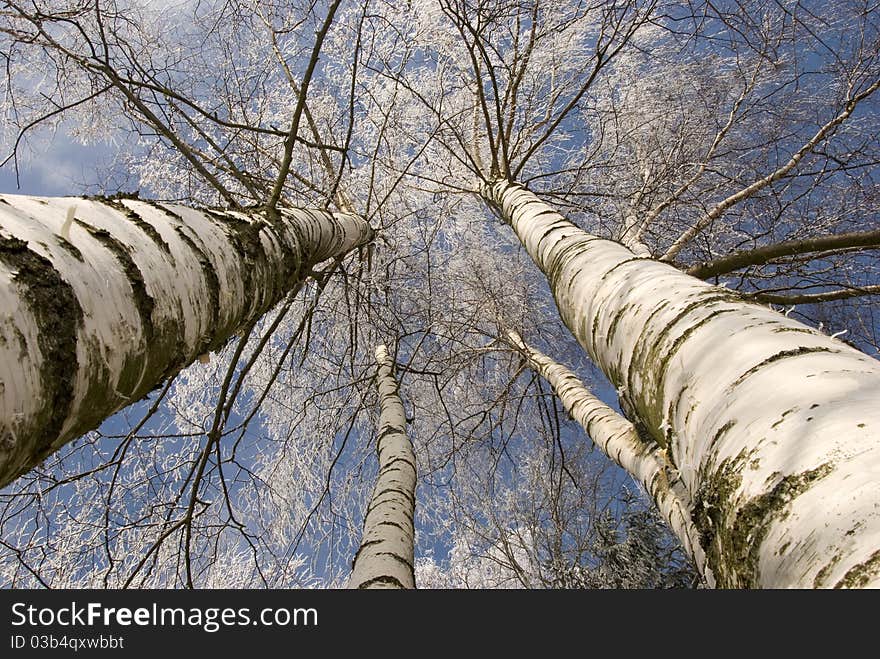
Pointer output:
x,y
620,441
104,299
631,238
772,425
385,558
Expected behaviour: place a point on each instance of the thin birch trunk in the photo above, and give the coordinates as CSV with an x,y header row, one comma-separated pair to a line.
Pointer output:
x,y
104,299
385,558
631,237
772,425
620,441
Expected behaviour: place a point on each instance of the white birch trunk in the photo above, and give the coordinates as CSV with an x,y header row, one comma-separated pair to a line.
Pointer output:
x,y
104,299
632,237
385,558
772,425
620,441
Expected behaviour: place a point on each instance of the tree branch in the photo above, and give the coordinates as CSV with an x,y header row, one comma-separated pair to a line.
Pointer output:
x,y
300,105
720,208
761,255
813,298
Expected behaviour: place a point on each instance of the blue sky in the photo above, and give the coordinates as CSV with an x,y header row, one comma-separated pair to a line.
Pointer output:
x,y
54,164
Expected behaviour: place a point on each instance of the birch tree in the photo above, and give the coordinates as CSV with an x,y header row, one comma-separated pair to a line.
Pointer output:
x,y
108,305
753,130
761,162
619,440
385,558
743,482
159,73
756,483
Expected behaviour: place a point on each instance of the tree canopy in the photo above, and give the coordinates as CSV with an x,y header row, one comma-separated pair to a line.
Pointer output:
x,y
734,141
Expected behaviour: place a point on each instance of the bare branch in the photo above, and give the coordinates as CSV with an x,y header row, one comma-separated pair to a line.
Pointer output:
x,y
766,253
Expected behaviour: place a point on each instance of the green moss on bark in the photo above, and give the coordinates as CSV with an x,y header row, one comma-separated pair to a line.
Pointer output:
x,y
212,284
822,575
732,531
656,353
861,575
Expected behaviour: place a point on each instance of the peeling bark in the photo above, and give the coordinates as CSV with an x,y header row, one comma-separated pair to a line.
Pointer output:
x,y
772,425
385,558
102,304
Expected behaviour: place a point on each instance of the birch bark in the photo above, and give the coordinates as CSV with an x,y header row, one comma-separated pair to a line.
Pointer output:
x,y
386,555
104,299
620,441
772,425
